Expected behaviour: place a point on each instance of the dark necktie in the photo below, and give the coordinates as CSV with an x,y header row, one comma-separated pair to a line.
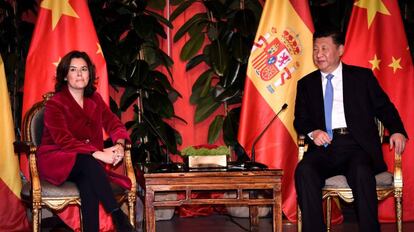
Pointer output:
x,y
328,102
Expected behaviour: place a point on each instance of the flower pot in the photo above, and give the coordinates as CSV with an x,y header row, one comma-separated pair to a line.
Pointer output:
x,y
208,161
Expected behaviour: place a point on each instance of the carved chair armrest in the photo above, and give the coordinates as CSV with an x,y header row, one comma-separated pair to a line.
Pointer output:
x,y
129,169
302,146
30,150
398,178
398,181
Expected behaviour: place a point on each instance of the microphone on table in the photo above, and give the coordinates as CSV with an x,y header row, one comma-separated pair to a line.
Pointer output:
x,y
253,164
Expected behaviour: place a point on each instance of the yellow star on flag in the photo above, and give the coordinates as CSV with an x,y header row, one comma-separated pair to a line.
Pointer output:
x,y
57,62
58,8
395,64
373,7
375,63
99,51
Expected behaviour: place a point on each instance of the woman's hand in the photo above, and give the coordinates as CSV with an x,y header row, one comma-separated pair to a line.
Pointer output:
x,y
106,156
117,153
111,155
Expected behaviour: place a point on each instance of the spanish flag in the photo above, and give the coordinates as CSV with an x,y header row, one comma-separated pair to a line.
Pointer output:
x,y
376,39
281,55
62,26
12,211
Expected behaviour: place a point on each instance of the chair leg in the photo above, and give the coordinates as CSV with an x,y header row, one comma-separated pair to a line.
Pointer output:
x,y
131,206
299,215
398,205
80,218
328,213
36,218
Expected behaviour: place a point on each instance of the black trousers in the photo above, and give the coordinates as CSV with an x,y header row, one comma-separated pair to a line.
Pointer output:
x,y
343,156
90,178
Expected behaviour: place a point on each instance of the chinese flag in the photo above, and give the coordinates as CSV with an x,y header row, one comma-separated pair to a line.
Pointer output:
x,y
12,210
62,26
281,55
376,39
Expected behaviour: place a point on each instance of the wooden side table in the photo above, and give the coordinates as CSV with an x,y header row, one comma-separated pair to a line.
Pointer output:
x,y
222,181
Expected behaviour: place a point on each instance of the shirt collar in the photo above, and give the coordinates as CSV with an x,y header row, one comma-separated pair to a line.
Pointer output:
x,y
337,72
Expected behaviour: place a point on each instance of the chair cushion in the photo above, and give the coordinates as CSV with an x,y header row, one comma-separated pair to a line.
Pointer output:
x,y
67,189
339,181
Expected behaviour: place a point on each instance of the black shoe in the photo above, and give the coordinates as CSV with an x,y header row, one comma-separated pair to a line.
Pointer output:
x,y
121,221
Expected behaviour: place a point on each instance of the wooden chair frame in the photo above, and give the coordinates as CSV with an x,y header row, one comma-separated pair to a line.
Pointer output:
x,y
345,194
37,188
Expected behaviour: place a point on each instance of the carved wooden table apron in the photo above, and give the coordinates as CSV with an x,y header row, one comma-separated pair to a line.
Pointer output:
x,y
220,181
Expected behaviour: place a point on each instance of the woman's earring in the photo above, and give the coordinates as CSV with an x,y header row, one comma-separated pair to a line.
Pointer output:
x,y
65,79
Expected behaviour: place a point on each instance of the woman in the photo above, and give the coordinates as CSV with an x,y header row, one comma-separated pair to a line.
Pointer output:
x,y
72,142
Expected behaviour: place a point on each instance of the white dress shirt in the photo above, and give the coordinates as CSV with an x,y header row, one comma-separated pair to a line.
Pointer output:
x,y
338,113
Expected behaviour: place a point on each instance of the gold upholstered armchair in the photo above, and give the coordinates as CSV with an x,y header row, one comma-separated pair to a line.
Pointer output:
x,y
336,187
39,193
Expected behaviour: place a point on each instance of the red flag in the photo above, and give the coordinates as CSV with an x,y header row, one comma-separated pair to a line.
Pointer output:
x,y
62,26
376,39
282,54
12,211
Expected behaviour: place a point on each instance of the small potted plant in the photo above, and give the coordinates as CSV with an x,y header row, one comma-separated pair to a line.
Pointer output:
x,y
206,156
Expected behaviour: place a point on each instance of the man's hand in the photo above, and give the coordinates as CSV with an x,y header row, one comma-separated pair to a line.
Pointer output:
x,y
320,137
397,141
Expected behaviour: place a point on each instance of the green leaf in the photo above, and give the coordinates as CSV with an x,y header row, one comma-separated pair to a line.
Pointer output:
x,y
194,21
128,97
176,2
218,57
205,108
156,4
215,128
143,26
139,72
160,18
180,9
178,138
197,28
194,61
180,119
114,107
231,126
245,22
160,104
207,87
192,46
147,26
240,50
212,33
162,78
234,72
226,94
205,151
201,80
217,8
195,96
199,86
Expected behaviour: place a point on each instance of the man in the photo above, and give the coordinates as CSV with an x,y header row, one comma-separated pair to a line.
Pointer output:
x,y
336,107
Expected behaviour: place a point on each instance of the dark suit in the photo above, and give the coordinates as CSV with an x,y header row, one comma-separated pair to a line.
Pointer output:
x,y
355,155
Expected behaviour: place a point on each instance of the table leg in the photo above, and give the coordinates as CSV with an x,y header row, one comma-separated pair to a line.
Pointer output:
x,y
149,211
277,211
254,218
